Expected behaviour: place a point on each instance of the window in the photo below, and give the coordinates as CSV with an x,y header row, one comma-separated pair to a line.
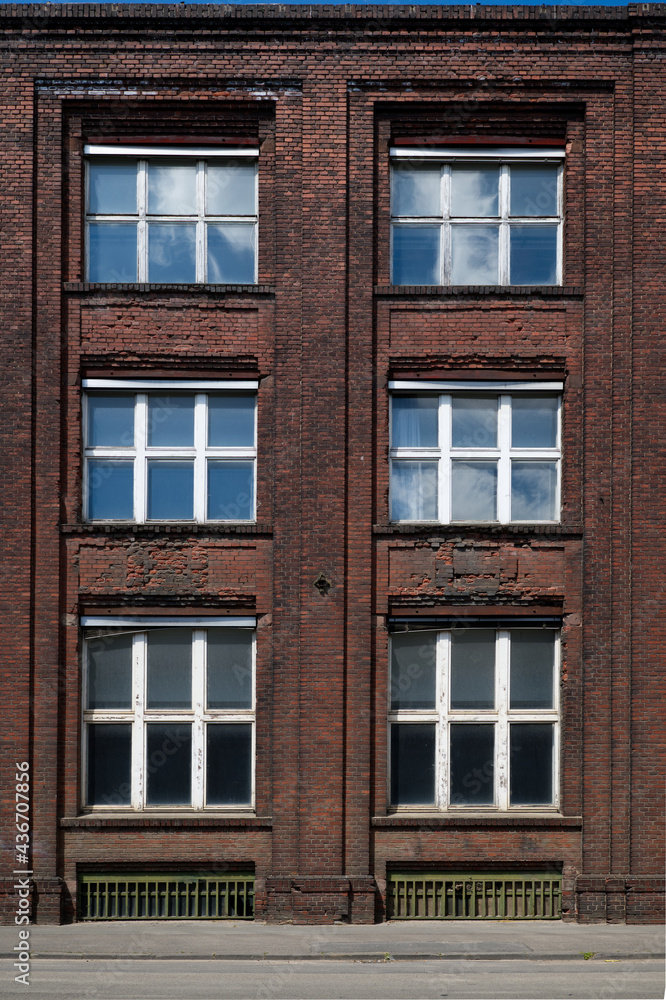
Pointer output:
x,y
475,452
168,712
476,218
169,451
473,718
157,216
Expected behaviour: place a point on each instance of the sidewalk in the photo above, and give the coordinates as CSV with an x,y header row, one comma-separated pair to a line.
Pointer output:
x,y
403,940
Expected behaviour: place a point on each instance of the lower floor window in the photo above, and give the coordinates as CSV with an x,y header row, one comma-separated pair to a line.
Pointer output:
x,y
473,718
168,717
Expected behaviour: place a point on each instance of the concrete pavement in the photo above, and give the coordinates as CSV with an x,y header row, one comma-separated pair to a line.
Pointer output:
x,y
400,940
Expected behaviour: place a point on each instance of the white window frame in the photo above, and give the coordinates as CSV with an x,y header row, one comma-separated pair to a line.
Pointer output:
x,y
142,155
504,157
138,717
502,716
140,453
503,454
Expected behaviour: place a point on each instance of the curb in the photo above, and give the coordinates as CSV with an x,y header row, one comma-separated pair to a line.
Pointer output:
x,y
379,957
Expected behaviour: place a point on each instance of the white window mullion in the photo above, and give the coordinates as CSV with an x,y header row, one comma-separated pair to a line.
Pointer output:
x,y
201,182
142,226
445,472
502,648
504,462
140,460
201,252
139,652
443,667
200,442
198,724
504,208
445,239
558,441
560,224
253,757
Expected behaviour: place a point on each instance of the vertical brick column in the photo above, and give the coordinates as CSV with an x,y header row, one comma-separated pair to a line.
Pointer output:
x,y
323,472
47,441
287,507
16,513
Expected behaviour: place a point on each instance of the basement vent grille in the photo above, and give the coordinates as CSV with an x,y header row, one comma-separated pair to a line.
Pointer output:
x,y
170,896
474,896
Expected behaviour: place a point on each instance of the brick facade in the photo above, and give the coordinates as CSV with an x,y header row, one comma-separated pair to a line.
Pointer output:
x,y
324,93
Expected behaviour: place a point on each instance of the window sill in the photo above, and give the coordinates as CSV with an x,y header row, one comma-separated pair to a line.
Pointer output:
x,y
517,291
185,528
478,819
106,820
112,288
479,528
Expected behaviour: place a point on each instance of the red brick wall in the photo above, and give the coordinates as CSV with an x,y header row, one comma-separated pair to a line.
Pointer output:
x,y
323,331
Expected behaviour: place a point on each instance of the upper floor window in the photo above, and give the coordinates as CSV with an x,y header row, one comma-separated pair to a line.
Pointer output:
x,y
168,712
476,218
169,451
475,452
157,216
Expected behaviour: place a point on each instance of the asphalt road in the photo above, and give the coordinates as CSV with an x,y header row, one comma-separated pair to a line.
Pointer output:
x,y
175,979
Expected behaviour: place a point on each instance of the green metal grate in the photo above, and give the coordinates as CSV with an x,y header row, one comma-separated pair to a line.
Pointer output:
x,y
474,896
165,896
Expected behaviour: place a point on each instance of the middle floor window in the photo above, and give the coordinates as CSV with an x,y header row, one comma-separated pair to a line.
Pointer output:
x,y
168,713
475,454
169,451
473,718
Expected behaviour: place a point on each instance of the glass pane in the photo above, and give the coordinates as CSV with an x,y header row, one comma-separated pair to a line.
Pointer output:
x,y
534,189
171,421
170,491
414,421
414,491
412,765
531,764
112,252
534,422
229,668
474,491
231,421
475,191
415,190
110,490
472,764
533,255
172,189
413,677
112,188
109,755
228,764
169,669
168,764
230,491
231,254
110,671
473,669
533,491
111,421
416,255
231,188
172,253
474,255
532,663
474,422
